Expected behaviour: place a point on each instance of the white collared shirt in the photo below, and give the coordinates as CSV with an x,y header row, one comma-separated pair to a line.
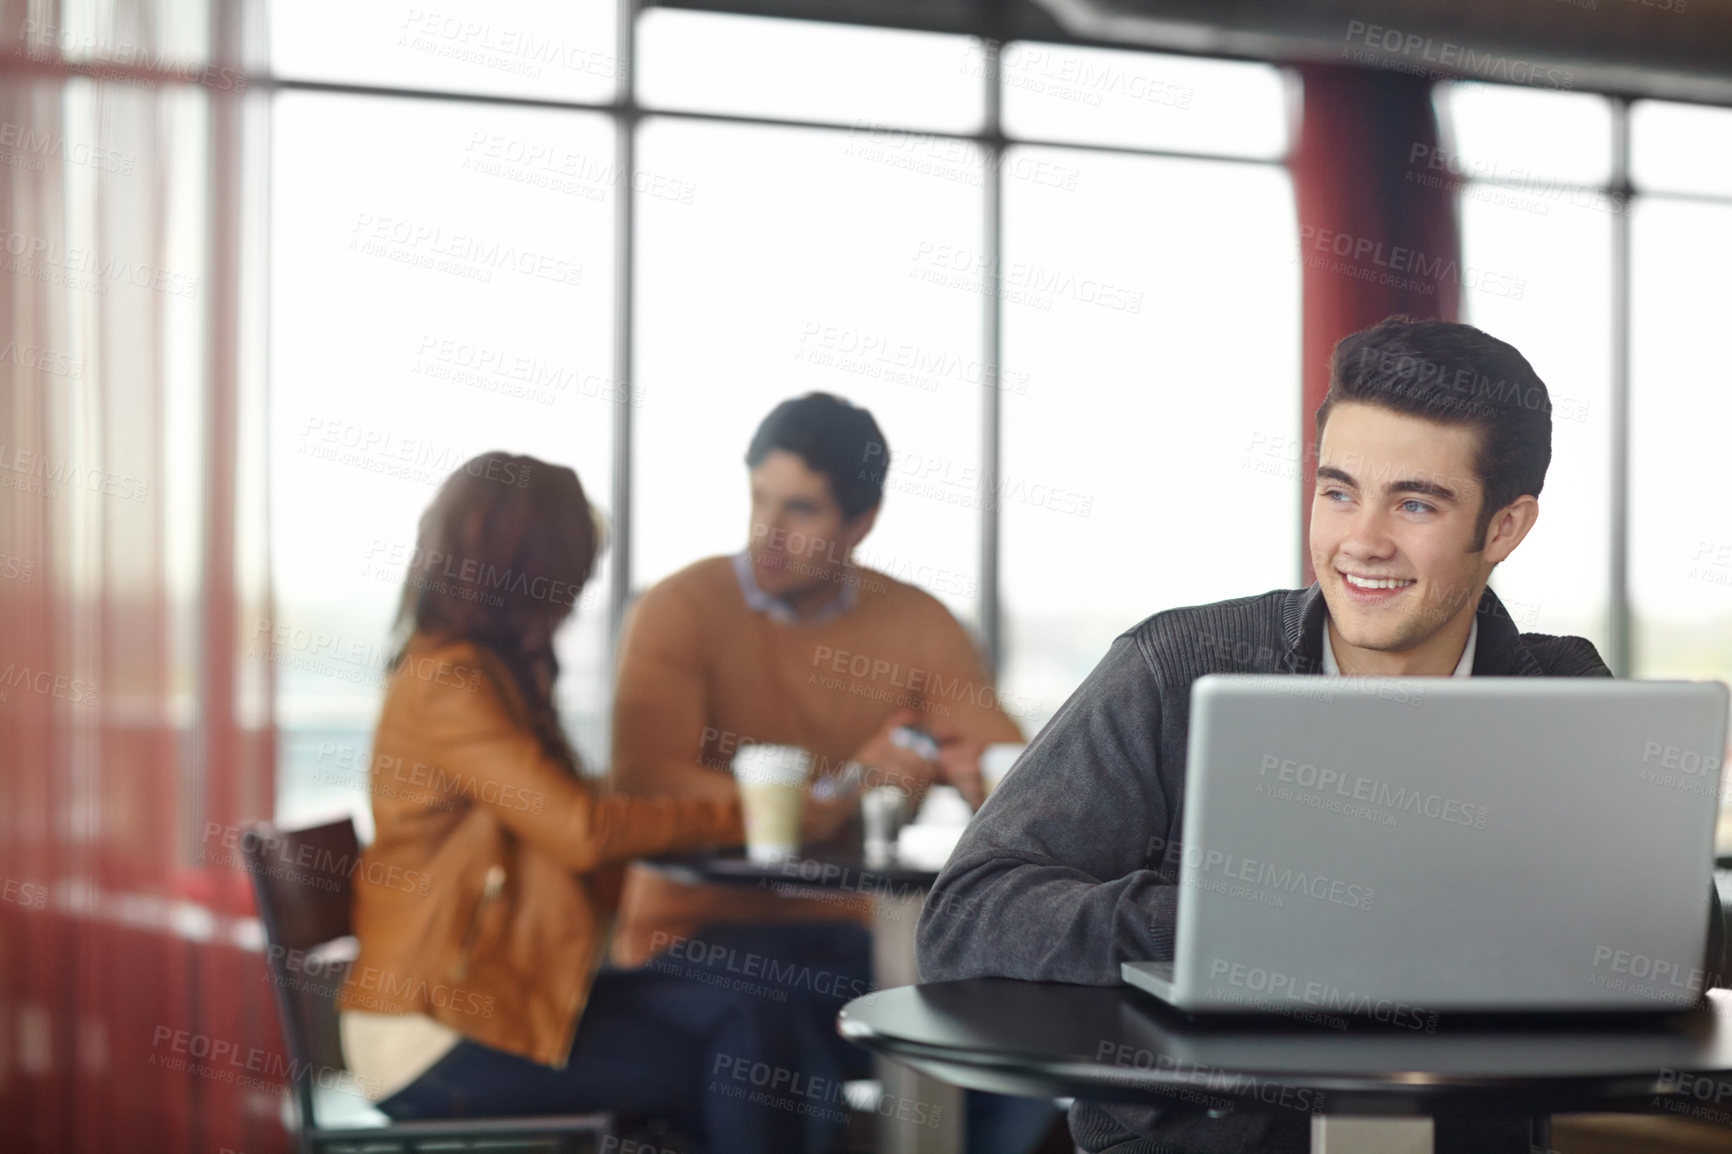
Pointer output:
x,y
1463,668
778,610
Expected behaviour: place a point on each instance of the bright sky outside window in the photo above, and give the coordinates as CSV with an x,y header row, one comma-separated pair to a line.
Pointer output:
x,y
497,47
1530,137
451,294
1681,409
1143,100
757,293
1683,148
1139,297
802,70
1536,272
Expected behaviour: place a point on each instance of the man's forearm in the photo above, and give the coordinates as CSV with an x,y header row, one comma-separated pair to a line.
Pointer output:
x,y
1052,881
991,916
674,779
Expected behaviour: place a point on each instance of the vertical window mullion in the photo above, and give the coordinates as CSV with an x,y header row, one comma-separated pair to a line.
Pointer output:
x,y
992,148
625,162
1618,600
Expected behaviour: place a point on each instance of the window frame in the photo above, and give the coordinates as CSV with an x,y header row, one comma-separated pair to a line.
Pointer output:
x,y
990,137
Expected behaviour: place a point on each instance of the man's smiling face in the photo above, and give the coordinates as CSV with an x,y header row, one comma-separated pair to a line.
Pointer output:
x,y
1393,537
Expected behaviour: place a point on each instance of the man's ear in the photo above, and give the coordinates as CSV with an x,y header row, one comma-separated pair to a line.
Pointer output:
x,y
855,528
1509,526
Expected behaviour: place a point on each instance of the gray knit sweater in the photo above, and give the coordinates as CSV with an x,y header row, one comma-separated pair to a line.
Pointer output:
x,y
1063,874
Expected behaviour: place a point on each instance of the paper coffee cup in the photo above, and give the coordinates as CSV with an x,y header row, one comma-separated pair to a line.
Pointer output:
x,y
996,760
772,779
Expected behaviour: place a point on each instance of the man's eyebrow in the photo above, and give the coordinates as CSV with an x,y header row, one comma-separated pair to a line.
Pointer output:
x,y
1426,488
1409,485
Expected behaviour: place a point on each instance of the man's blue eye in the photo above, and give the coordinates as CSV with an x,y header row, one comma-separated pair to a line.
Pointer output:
x,y
1417,507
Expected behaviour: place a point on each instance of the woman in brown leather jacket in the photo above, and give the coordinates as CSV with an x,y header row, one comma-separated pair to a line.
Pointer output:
x,y
484,903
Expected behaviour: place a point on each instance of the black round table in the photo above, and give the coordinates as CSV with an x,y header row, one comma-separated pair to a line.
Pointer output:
x,y
1117,1044
832,872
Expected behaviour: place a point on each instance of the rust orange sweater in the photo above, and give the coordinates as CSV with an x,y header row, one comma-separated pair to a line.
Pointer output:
x,y
701,672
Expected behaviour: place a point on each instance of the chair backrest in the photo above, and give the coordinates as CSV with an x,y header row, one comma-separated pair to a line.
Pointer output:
x,y
301,884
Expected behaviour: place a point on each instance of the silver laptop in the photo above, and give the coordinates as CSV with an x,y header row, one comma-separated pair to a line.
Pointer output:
x,y
1395,847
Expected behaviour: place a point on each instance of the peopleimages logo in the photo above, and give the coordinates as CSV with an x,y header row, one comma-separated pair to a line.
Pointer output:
x,y
46,258
1352,253
521,51
1689,770
733,967
305,863
1645,976
466,254
1270,989
1372,792
115,59
46,683
27,148
1409,51
799,1091
247,1067
1204,869
32,896
1203,1076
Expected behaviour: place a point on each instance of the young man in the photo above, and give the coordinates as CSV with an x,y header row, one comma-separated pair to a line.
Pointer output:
x,y
789,642
1433,443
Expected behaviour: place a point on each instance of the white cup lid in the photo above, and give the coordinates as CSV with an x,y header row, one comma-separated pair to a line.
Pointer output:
x,y
772,765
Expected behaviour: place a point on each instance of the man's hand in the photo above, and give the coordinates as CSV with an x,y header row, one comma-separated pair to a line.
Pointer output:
x,y
959,764
881,761
891,764
958,761
821,820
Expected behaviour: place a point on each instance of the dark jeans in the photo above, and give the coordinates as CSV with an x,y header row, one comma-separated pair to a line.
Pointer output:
x,y
727,1066
808,971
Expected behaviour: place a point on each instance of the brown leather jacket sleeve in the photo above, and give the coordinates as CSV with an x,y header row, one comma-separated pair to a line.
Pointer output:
x,y
481,751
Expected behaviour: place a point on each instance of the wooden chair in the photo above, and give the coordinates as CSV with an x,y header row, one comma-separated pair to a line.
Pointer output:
x,y
301,881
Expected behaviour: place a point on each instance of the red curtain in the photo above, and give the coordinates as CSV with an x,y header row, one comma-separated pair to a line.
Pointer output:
x,y
1377,229
135,732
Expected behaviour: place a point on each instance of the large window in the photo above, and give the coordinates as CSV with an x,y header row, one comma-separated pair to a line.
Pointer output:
x,y
449,294
1680,547
1033,262
1150,318
1042,328
1537,272
796,269
1150,422
1621,254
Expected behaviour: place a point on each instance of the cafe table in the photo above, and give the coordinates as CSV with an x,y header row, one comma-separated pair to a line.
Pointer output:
x,y
1366,1087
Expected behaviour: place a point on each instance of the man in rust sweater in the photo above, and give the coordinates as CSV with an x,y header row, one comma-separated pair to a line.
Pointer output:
x,y
789,642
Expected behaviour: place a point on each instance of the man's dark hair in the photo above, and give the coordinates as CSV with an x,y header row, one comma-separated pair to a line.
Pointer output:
x,y
834,438
1453,374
